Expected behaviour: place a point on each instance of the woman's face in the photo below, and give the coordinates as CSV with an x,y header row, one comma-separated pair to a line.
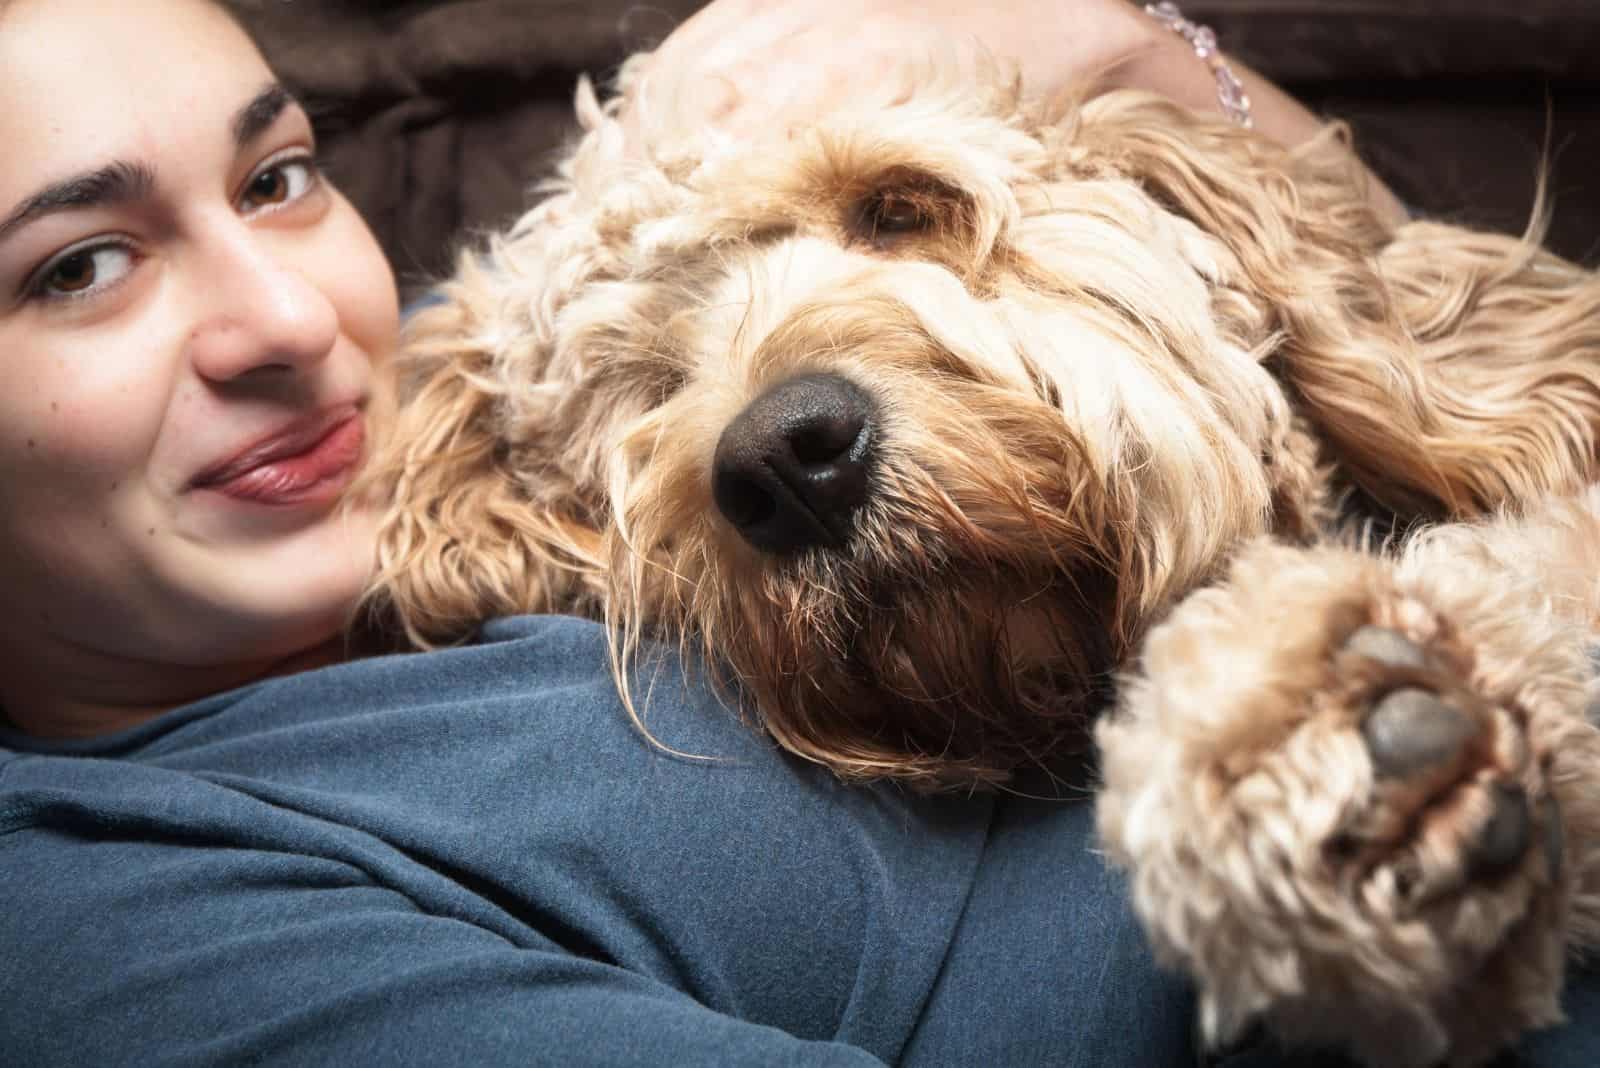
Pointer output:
x,y
190,326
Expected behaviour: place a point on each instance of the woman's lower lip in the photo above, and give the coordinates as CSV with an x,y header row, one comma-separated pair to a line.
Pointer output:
x,y
319,475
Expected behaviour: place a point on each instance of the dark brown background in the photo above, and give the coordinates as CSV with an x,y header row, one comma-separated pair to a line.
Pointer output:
x,y
436,114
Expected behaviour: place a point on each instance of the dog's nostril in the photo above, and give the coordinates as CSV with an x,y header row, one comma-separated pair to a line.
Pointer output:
x,y
824,441
743,502
793,468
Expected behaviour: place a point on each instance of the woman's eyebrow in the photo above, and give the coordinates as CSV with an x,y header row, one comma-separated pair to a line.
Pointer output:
x,y
115,183
121,181
257,117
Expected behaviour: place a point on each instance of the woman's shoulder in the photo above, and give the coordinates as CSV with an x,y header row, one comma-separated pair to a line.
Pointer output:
x,y
528,692
525,722
508,664
494,795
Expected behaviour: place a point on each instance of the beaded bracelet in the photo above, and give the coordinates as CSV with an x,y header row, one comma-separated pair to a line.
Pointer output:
x,y
1230,91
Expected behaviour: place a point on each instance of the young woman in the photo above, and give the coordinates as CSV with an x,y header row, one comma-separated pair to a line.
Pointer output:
x,y
210,853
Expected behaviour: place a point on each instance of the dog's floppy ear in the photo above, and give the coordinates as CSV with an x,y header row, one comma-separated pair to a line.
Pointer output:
x,y
1508,337
479,517
1447,371
463,537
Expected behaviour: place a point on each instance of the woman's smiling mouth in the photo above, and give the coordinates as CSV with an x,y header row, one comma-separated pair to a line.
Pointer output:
x,y
309,462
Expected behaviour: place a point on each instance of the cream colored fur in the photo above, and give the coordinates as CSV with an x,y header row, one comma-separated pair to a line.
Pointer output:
x,y
1127,363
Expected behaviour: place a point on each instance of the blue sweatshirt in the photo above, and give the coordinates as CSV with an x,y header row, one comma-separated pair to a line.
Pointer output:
x,y
472,857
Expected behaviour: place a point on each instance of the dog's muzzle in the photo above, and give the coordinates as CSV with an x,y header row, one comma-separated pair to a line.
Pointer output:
x,y
792,469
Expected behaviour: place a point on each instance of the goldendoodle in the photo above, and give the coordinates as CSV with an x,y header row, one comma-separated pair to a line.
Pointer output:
x,y
951,420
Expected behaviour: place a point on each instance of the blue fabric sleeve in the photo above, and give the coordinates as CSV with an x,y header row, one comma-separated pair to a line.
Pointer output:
x,y
184,956
471,858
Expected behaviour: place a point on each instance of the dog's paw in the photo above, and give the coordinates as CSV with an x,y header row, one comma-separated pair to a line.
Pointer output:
x,y
1456,801
1336,808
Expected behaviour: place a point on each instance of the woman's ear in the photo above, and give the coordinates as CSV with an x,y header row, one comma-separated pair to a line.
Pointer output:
x,y
1447,372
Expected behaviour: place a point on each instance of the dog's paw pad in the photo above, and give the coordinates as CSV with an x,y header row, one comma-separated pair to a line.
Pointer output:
x,y
1387,647
1448,811
1411,730
1504,837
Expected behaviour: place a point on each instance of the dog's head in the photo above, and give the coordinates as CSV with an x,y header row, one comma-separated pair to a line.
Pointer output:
x,y
913,419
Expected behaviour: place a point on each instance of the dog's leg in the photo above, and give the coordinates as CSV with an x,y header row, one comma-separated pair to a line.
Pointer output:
x,y
1359,798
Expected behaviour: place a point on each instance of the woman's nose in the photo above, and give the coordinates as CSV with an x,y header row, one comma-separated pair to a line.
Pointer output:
x,y
259,313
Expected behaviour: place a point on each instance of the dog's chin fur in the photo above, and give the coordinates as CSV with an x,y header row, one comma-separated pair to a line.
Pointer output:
x,y
1119,341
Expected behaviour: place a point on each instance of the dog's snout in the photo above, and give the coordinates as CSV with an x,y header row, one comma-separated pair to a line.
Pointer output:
x,y
793,468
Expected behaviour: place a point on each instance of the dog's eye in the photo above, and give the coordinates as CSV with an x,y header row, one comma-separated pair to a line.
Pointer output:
x,y
905,205
891,213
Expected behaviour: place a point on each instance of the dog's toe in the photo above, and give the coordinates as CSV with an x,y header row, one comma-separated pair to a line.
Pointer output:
x,y
1429,750
1412,730
1505,836
1386,646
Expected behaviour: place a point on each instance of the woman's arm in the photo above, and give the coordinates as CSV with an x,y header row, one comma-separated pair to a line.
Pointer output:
x,y
131,952
1165,63
756,63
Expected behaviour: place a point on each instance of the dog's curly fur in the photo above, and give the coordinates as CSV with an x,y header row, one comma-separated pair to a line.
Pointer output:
x,y
1124,363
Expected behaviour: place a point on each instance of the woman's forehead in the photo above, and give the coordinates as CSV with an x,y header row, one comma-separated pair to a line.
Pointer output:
x,y
104,79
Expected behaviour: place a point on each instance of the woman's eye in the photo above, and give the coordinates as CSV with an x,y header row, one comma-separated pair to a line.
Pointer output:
x,y
84,272
278,184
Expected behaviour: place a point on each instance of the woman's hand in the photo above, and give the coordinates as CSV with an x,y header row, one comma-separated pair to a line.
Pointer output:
x,y
752,65
749,64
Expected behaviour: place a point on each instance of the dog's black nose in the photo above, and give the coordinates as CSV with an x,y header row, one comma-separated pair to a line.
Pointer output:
x,y
792,469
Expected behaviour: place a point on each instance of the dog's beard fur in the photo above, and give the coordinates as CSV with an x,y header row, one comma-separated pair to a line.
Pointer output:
x,y
1081,331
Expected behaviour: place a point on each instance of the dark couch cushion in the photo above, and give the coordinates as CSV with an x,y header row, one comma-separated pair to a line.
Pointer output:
x,y
437,114
1411,40
1457,103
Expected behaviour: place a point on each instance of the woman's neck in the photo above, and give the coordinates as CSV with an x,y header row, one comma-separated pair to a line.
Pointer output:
x,y
94,699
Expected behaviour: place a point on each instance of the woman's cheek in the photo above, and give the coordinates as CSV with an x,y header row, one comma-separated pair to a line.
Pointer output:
x,y
351,270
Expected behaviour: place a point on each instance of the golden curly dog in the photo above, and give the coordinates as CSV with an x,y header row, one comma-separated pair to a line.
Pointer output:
x,y
933,421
